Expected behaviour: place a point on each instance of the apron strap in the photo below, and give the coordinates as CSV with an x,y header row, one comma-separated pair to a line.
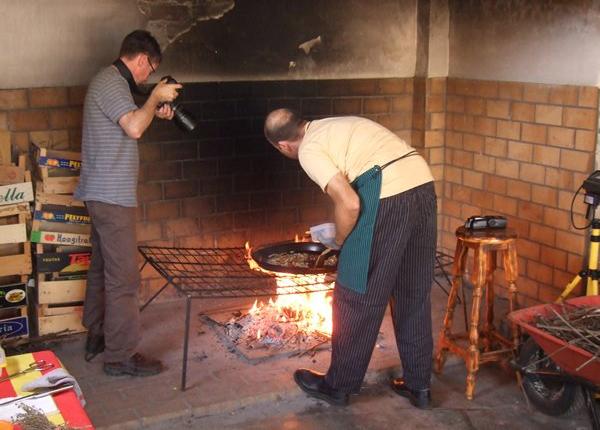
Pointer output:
x,y
408,154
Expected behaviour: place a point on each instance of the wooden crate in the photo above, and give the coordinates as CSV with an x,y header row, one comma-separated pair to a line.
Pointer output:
x,y
15,249
57,199
12,194
13,310
65,218
14,327
60,288
57,292
67,320
14,174
56,171
14,295
5,148
64,262
60,305
18,262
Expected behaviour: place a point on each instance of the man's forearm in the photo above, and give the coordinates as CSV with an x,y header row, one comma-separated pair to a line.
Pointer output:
x,y
345,220
136,122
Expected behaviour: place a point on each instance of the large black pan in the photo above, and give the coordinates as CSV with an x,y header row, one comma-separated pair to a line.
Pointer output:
x,y
262,253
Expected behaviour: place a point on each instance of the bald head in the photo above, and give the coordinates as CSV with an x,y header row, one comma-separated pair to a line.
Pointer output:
x,y
283,124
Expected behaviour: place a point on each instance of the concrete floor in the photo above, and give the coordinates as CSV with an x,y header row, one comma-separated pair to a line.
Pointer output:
x,y
225,392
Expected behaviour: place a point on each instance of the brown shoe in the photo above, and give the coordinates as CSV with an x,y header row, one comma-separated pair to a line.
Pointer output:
x,y
136,365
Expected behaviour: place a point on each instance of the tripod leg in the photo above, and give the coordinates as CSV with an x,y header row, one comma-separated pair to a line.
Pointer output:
x,y
592,281
568,289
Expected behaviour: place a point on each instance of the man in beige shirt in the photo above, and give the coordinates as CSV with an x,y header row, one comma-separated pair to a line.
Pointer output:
x,y
385,218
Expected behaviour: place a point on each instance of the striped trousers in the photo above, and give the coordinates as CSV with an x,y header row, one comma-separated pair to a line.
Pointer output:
x,y
400,272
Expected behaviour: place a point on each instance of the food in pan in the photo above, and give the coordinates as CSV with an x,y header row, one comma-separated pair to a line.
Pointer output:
x,y
299,259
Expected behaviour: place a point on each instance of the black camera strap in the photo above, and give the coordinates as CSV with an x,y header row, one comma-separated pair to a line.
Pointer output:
x,y
126,73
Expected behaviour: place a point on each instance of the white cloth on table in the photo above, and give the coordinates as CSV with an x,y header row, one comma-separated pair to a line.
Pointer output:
x,y
52,379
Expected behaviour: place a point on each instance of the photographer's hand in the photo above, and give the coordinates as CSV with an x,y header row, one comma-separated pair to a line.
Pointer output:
x,y
136,122
164,92
164,112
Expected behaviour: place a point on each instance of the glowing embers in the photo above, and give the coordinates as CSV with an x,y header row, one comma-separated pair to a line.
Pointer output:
x,y
292,322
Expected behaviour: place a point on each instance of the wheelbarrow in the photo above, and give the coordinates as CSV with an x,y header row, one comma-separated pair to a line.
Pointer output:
x,y
558,377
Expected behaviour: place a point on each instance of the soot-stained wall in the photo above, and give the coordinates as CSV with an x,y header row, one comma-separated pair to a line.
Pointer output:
x,y
542,41
64,42
274,39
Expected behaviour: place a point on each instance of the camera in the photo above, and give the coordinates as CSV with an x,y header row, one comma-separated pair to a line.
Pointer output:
x,y
483,222
591,185
184,119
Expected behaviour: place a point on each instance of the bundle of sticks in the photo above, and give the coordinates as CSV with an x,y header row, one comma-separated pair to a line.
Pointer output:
x,y
576,325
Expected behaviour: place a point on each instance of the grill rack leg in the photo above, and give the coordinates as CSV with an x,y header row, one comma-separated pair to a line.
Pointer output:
x,y
154,296
188,305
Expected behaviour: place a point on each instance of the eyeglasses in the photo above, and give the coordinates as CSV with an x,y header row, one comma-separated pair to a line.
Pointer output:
x,y
150,64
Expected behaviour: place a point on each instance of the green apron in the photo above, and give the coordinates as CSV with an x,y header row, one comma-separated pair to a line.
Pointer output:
x,y
355,255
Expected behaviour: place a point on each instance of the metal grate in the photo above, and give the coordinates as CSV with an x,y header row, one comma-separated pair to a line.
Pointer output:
x,y
224,272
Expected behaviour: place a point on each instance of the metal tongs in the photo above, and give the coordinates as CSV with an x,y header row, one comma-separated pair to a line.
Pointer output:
x,y
38,394
323,256
35,366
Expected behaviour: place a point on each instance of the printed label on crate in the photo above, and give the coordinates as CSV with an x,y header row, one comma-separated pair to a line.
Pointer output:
x,y
14,327
57,238
63,262
16,193
64,216
13,295
61,163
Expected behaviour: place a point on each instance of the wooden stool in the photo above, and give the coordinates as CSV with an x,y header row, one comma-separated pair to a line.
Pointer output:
x,y
485,245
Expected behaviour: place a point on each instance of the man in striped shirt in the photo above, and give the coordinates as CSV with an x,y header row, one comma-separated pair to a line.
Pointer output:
x,y
112,123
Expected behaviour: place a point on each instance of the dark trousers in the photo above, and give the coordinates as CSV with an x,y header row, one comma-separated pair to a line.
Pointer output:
x,y
400,272
111,299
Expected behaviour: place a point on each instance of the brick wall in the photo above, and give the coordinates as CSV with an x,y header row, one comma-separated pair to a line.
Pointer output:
x,y
223,184
519,150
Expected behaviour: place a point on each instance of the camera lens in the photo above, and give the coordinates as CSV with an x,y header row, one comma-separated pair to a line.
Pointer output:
x,y
183,118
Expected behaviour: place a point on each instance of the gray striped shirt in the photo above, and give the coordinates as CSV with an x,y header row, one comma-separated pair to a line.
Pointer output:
x,y
110,160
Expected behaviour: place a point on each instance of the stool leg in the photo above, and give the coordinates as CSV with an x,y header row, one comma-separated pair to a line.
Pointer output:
x,y
511,270
473,350
460,256
488,327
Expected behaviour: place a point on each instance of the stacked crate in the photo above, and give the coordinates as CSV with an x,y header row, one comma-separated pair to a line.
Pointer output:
x,y
15,250
61,231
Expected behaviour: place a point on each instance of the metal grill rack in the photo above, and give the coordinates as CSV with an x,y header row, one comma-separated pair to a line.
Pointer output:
x,y
224,273
219,273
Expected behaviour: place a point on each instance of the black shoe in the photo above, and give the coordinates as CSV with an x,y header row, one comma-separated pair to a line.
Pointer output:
x,y
94,345
136,365
314,385
418,398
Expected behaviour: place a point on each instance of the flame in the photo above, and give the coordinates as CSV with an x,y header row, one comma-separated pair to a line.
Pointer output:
x,y
310,311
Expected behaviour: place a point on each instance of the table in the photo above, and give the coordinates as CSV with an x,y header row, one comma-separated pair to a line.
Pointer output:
x,y
69,409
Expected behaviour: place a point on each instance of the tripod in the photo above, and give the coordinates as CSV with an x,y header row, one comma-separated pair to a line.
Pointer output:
x,y
589,272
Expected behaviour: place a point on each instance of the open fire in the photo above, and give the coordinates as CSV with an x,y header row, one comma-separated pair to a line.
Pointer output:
x,y
291,321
